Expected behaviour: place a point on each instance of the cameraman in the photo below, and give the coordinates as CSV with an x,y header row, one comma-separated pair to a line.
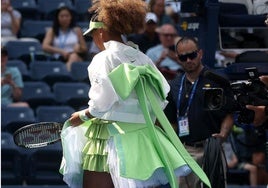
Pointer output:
x,y
261,112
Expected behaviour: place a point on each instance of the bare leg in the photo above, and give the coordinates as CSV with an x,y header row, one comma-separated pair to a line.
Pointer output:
x,y
258,159
252,174
19,104
74,57
97,180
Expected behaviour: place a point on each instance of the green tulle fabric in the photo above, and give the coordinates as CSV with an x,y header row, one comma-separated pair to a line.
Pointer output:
x,y
94,154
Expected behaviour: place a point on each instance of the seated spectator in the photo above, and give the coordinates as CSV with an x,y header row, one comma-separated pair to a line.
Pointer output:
x,y
65,40
226,57
163,54
173,12
11,83
158,7
234,163
149,37
10,22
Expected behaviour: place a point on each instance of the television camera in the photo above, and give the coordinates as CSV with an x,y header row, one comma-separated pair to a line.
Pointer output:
x,y
251,91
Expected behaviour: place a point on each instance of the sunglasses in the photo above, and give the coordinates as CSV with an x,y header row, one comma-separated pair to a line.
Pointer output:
x,y
191,56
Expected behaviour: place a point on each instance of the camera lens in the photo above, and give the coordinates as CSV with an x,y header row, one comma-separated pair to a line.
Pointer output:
x,y
214,102
213,98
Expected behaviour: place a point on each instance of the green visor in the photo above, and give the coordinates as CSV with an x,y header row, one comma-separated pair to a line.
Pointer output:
x,y
93,25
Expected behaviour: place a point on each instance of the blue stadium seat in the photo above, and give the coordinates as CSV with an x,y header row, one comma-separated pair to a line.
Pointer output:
x,y
233,8
83,25
53,113
35,29
37,93
226,20
27,51
236,15
22,67
81,8
72,94
237,177
50,72
43,166
47,8
18,48
16,117
27,8
11,161
79,71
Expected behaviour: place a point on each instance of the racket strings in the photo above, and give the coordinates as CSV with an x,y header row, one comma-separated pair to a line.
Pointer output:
x,y
35,136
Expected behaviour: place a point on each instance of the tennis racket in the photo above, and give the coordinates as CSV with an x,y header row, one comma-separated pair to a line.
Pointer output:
x,y
38,134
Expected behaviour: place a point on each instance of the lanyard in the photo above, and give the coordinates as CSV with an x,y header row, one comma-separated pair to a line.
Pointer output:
x,y
190,98
62,39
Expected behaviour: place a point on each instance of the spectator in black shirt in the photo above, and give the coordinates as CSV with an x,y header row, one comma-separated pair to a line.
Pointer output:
x,y
186,111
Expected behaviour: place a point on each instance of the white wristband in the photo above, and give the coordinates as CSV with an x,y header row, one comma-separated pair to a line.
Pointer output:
x,y
83,116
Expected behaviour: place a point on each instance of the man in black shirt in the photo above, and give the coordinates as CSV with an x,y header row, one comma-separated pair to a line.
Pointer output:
x,y
186,110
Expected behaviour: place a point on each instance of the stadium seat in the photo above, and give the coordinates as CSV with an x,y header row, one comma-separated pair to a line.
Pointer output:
x,y
81,8
27,8
79,71
27,51
16,117
72,94
35,28
43,166
22,67
18,48
50,72
47,8
53,113
237,177
233,8
226,20
11,161
83,25
236,15
37,93
247,3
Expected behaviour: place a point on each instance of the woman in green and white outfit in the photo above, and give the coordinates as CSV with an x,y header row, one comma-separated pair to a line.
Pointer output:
x,y
116,143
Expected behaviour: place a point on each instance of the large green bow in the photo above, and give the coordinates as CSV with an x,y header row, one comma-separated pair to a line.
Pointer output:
x,y
126,76
147,83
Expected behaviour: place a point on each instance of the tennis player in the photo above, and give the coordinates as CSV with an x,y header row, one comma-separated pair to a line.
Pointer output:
x,y
114,142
